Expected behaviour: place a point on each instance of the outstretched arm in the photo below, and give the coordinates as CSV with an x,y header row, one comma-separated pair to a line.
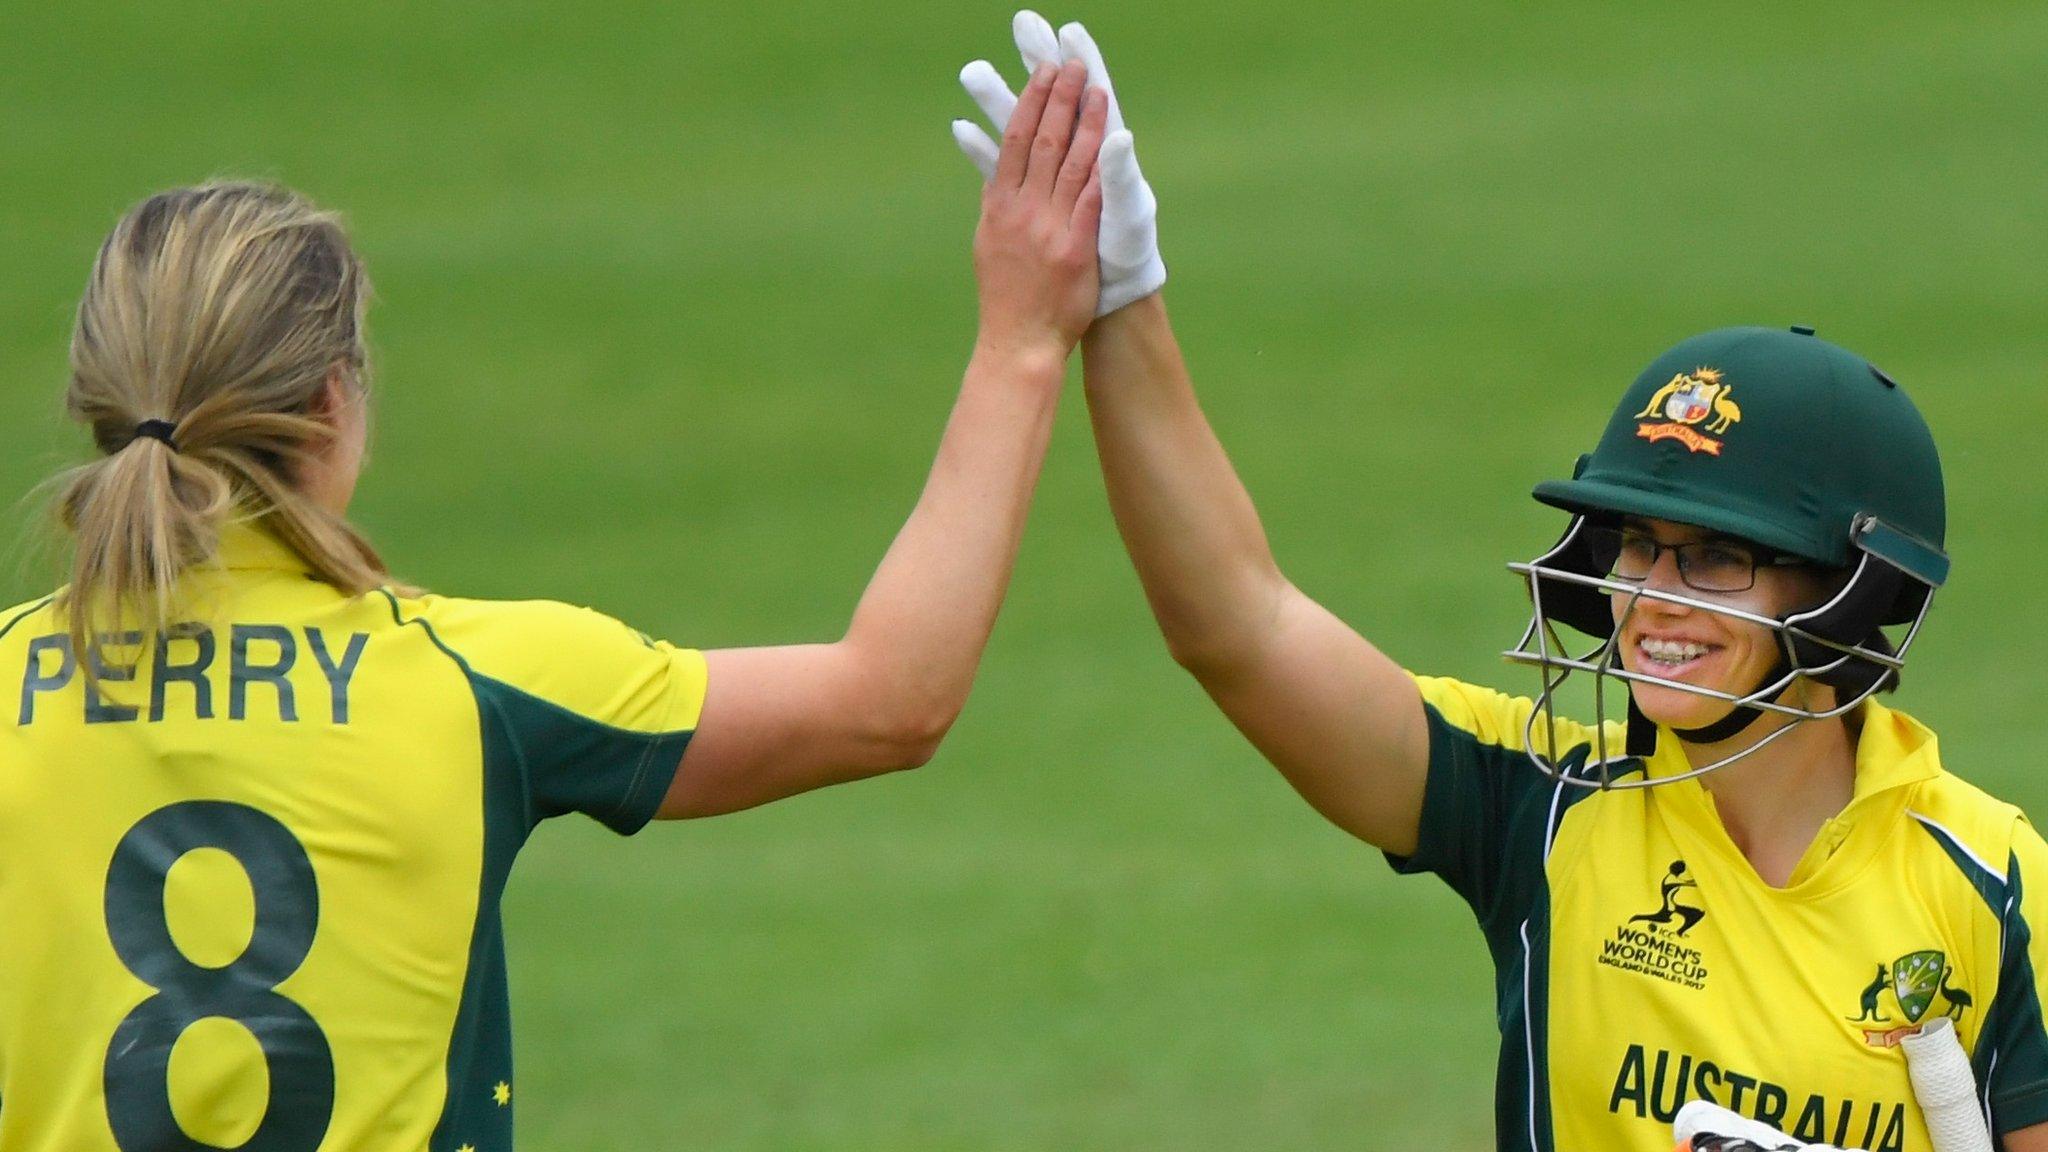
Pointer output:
x,y
784,720
1339,719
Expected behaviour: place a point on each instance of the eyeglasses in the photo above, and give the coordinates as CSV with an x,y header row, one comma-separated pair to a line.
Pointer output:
x,y
1703,565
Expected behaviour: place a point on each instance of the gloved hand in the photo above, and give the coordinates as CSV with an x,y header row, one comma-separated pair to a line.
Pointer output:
x,y
1127,245
1704,1127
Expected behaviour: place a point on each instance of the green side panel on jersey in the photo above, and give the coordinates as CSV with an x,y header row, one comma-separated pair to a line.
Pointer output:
x,y
540,760
2012,1050
2019,1083
480,1048
1521,1089
480,1045
566,762
1488,820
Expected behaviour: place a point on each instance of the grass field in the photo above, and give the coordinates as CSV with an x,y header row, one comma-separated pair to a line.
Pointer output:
x,y
672,302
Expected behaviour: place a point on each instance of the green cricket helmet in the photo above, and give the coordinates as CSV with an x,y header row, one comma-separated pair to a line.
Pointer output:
x,y
1786,441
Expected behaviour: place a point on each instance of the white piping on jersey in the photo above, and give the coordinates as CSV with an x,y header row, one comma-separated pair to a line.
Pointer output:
x,y
1990,1071
1956,840
1529,1032
1528,960
1550,825
1557,792
1991,1068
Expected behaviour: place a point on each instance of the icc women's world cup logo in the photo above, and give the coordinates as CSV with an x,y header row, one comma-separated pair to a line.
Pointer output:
x,y
1659,943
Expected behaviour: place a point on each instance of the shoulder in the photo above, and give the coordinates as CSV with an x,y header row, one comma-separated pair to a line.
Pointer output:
x,y
1978,832
578,658
480,626
1982,835
1499,719
23,618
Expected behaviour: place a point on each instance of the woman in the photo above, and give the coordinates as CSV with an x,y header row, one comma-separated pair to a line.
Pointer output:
x,y
1761,507
258,803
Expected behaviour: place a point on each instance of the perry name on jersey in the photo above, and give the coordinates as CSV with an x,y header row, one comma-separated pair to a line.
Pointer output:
x,y
188,666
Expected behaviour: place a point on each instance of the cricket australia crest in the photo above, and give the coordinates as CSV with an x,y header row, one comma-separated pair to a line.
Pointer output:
x,y
1914,980
1916,977
1693,408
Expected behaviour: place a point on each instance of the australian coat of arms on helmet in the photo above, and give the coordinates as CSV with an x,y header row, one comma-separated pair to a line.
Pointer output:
x,y
1684,404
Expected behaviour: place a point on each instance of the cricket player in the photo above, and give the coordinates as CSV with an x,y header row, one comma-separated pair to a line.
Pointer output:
x,y
258,802
1750,882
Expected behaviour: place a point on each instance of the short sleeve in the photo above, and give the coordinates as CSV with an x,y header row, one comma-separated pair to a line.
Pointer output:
x,y
1484,805
587,714
2013,1031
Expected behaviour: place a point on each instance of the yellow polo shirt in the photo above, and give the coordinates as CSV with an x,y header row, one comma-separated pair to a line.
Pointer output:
x,y
1640,962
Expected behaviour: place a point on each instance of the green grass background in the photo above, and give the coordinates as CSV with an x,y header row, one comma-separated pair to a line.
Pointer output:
x,y
673,298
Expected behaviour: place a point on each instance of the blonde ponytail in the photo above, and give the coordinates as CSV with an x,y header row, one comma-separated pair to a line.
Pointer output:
x,y
214,318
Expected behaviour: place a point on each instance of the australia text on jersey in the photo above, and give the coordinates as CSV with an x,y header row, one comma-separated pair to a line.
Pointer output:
x,y
1657,1083
189,657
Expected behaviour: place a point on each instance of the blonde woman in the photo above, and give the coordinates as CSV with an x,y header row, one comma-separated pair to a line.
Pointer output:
x,y
258,801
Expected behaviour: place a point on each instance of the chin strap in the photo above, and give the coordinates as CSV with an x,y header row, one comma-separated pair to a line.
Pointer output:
x,y
1642,733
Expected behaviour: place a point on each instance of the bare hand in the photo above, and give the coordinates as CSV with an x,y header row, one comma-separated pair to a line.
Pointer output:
x,y
1034,251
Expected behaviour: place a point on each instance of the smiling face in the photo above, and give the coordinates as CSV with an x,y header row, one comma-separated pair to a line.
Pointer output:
x,y
1692,646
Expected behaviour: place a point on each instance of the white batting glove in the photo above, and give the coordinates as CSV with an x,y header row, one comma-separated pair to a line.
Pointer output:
x,y
1127,244
1705,1127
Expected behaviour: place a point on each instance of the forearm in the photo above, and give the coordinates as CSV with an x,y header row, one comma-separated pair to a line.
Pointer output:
x,y
1186,519
779,721
920,628
2030,1139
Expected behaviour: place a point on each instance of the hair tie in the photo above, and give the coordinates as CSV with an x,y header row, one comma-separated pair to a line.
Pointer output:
x,y
156,430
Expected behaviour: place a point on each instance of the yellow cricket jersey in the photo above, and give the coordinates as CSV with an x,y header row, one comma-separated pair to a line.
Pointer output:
x,y
249,885
1640,962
